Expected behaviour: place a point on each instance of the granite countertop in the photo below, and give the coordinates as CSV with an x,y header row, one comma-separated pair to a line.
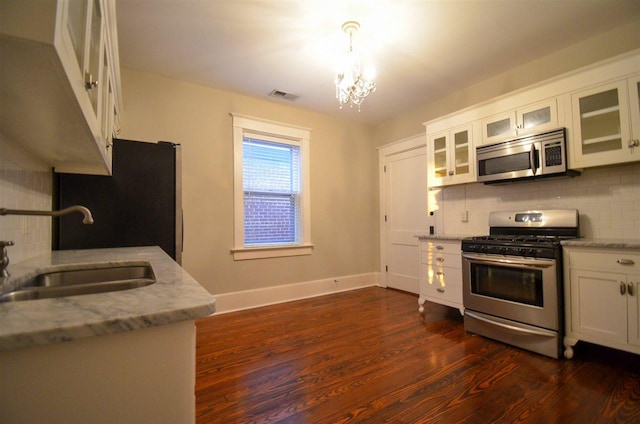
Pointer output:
x,y
442,237
603,243
174,297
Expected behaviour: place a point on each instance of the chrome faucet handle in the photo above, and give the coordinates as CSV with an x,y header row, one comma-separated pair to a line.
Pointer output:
x,y
4,258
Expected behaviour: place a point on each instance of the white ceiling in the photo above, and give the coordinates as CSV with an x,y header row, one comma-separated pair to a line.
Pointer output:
x,y
422,50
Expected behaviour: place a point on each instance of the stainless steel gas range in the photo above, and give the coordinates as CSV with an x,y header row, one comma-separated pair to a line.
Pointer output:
x,y
512,278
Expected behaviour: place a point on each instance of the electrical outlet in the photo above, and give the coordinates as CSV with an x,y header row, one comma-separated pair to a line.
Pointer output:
x,y
464,217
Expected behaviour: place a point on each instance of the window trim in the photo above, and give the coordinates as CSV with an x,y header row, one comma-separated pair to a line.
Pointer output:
x,y
270,130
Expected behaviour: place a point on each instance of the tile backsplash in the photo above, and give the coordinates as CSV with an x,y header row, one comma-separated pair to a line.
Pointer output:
x,y
23,186
607,199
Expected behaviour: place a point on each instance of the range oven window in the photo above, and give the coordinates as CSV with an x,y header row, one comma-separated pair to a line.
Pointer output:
x,y
507,283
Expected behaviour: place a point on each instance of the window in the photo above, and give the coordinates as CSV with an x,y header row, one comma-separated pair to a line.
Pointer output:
x,y
271,189
271,186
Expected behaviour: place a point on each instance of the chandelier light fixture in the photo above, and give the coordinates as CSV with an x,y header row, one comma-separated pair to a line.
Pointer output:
x,y
352,85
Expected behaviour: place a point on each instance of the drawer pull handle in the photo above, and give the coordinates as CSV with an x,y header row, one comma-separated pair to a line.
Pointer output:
x,y
626,262
440,259
440,290
439,273
623,288
440,247
630,289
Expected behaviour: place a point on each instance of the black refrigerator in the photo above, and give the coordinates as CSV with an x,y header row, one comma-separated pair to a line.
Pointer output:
x,y
139,205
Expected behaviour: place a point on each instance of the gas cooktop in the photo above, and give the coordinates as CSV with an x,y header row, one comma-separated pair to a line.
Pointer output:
x,y
521,239
527,233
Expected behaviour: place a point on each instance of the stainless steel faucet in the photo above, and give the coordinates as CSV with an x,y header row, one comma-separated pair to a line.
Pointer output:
x,y
4,258
88,219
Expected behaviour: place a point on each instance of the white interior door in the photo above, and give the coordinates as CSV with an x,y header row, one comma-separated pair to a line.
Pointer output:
x,y
405,213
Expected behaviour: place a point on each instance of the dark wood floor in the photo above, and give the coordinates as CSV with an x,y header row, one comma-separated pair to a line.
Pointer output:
x,y
368,356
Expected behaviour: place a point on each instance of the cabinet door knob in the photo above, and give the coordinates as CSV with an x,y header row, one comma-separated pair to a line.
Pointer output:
x,y
625,261
440,290
89,82
623,288
450,173
630,289
439,273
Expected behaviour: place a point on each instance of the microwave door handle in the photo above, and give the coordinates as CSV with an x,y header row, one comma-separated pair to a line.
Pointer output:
x,y
532,159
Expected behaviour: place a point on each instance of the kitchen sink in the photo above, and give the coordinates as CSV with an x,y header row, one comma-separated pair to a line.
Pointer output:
x,y
74,282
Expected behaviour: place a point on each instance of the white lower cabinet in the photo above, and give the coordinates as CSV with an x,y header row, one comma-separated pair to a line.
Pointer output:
x,y
142,376
441,273
601,298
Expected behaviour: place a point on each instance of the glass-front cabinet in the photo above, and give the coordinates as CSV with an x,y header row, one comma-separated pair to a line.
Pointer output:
x,y
84,30
73,99
606,124
451,157
522,121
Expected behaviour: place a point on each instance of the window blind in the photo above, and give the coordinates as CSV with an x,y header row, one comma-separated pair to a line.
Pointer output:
x,y
271,185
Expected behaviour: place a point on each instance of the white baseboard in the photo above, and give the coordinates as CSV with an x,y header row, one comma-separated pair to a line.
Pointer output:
x,y
247,299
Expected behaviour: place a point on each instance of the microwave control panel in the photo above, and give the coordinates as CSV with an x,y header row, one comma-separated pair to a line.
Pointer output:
x,y
554,156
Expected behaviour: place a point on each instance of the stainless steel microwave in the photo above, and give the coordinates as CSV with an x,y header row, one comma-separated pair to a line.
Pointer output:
x,y
533,156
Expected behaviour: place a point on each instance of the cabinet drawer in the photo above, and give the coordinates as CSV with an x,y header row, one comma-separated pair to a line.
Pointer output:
x,y
614,260
441,276
440,259
450,291
441,246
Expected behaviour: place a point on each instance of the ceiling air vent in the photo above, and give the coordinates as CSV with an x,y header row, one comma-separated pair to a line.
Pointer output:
x,y
278,94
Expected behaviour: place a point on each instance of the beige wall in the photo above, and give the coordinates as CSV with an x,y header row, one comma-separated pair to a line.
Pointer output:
x,y
607,45
344,215
344,177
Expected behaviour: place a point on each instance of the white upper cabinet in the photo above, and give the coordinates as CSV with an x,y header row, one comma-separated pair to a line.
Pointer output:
x,y
522,121
606,124
61,75
451,157
634,106
599,105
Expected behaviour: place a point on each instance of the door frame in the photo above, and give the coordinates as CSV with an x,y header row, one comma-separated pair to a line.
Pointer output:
x,y
400,146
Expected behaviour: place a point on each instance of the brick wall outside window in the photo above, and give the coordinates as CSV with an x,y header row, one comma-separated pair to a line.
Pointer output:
x,y
271,183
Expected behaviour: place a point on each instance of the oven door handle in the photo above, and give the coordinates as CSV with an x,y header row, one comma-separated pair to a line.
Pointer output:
x,y
507,326
518,263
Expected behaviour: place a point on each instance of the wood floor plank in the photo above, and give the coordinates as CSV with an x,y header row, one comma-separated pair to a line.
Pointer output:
x,y
368,356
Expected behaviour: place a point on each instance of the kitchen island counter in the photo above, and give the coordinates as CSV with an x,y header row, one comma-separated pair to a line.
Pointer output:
x,y
174,297
141,368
